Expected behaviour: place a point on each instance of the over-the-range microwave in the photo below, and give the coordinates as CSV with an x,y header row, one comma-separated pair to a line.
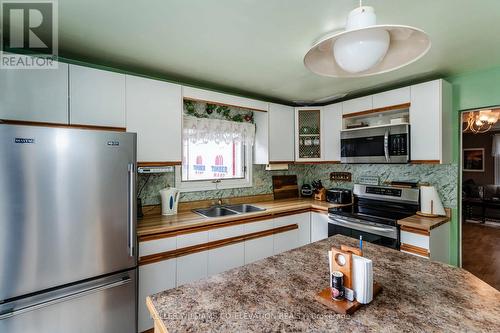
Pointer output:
x,y
378,144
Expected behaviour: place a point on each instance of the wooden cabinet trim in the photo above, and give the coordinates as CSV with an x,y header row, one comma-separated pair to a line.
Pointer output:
x,y
384,109
42,124
152,258
415,230
317,162
225,104
159,325
157,164
225,224
425,161
415,250
318,210
281,162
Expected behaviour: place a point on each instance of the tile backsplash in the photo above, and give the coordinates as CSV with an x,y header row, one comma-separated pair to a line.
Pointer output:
x,y
443,177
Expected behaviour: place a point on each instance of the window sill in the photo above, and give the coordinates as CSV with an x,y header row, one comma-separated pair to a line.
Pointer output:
x,y
209,185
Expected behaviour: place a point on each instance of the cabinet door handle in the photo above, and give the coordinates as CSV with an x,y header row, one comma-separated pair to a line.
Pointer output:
x,y
386,145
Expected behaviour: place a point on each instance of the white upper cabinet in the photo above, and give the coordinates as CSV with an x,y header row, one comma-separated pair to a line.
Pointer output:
x,y
391,98
430,121
154,112
216,97
37,95
357,105
281,133
97,97
331,127
308,134
261,144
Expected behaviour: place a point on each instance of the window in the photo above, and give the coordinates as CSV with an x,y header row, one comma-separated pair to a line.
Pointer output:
x,y
213,160
216,154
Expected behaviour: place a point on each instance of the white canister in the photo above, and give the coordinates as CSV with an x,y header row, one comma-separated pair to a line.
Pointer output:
x,y
169,200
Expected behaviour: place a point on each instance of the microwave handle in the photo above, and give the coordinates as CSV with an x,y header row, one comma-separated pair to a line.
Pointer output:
x,y
386,145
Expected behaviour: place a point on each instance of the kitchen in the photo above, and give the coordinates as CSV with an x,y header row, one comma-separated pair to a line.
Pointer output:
x,y
155,187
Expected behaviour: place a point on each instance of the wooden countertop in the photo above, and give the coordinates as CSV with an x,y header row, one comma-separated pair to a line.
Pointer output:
x,y
424,223
157,226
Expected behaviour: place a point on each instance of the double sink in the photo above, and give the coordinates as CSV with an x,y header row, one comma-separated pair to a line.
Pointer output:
x,y
218,211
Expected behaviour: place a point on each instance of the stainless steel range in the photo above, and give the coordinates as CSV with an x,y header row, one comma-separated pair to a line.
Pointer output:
x,y
374,214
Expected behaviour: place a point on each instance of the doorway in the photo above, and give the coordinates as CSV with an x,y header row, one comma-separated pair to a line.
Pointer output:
x,y
480,193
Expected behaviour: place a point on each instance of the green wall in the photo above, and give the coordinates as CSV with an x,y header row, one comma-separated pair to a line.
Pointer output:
x,y
470,90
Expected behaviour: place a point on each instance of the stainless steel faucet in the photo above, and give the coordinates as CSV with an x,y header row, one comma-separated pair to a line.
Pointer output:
x,y
217,182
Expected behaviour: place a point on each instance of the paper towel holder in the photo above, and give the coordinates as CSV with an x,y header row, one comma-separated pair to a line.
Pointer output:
x,y
430,202
419,213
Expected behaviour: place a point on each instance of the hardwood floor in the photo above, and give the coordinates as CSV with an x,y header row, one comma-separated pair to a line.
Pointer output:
x,y
481,252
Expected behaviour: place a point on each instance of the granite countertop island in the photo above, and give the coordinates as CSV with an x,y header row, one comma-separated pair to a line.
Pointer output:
x,y
277,294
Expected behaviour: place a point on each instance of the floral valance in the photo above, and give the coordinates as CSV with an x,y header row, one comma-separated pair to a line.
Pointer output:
x,y
199,130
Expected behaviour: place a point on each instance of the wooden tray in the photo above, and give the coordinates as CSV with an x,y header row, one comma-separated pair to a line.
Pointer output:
x,y
344,306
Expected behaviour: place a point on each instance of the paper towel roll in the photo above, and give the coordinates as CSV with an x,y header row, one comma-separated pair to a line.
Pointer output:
x,y
430,203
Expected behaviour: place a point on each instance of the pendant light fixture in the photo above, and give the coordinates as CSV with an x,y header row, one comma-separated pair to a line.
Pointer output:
x,y
365,48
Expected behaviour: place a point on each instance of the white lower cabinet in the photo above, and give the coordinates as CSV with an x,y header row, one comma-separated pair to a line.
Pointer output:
x,y
258,248
192,267
288,240
226,257
434,245
154,278
171,273
319,226
304,222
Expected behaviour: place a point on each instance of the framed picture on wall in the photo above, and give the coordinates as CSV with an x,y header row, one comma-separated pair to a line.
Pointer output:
x,y
473,160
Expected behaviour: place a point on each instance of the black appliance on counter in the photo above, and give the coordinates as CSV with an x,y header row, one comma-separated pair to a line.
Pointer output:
x,y
339,196
306,191
374,214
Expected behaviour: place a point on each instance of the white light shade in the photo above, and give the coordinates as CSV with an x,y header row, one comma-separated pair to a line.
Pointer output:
x,y
361,50
365,48
484,115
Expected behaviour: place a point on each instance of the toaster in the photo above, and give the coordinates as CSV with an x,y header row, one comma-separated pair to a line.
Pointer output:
x,y
339,196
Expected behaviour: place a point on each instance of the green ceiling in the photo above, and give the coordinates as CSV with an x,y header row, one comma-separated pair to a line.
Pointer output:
x,y
256,47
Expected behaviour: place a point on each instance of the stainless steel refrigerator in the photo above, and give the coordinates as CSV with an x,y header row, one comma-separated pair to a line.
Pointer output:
x,y
68,258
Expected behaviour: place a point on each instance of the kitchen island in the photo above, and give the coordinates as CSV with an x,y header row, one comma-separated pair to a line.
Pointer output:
x,y
277,294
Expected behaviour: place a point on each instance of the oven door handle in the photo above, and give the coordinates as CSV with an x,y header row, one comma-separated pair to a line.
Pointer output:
x,y
386,145
363,227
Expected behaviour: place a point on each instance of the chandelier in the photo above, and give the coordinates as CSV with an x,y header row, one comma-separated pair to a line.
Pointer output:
x,y
480,121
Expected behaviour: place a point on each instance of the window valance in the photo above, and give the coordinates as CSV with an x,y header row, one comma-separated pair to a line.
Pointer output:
x,y
204,129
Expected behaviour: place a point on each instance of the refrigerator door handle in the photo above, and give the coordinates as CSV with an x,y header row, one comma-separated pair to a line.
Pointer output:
x,y
66,297
131,194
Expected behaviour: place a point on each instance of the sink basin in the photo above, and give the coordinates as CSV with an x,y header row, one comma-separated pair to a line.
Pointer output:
x,y
215,211
218,211
244,208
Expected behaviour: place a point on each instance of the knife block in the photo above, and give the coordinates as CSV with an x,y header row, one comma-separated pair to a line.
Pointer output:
x,y
320,195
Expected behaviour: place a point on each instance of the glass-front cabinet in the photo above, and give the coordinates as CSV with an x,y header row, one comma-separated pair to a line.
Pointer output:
x,y
308,136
